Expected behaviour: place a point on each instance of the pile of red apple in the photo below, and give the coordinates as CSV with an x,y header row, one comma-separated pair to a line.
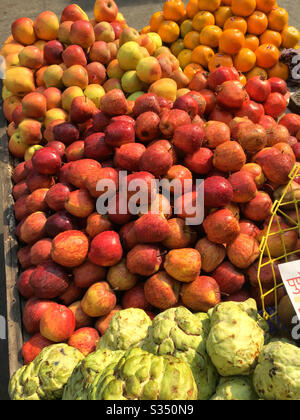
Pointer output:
x,y
80,267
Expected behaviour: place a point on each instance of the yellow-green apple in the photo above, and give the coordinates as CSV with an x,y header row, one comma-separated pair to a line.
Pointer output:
x,y
68,95
31,151
95,92
165,88
99,300
52,76
19,81
53,115
130,54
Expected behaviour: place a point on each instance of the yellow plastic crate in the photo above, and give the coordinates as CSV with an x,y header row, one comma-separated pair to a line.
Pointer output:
x,y
292,201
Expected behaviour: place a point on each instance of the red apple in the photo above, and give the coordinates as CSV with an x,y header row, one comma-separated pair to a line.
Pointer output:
x,y
23,283
135,298
57,324
218,192
85,340
162,291
201,295
49,281
46,161
106,249
33,347
33,311
229,279
188,138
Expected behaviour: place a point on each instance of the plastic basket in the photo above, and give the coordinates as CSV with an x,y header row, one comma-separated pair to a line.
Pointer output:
x,y
289,201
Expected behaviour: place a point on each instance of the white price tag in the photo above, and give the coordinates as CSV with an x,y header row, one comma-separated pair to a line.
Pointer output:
x,y
290,273
2,328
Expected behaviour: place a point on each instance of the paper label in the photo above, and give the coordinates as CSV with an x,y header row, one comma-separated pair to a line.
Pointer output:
x,y
290,273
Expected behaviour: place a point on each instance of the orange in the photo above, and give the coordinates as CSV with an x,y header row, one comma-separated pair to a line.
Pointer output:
x,y
210,36
203,19
174,10
185,58
257,23
290,37
169,31
191,69
226,2
156,20
192,40
186,27
231,41
222,14
245,60
257,71
280,70
192,8
210,5
252,42
220,60
236,22
177,47
265,5
146,30
243,79
267,55
243,7
271,37
202,54
278,19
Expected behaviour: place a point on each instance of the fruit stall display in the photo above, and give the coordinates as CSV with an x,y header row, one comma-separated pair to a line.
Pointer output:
x,y
123,306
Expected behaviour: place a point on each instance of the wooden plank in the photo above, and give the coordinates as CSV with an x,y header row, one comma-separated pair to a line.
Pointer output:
x,y
10,247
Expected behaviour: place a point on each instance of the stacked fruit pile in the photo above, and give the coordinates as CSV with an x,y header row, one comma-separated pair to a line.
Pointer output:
x,y
90,100
208,33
